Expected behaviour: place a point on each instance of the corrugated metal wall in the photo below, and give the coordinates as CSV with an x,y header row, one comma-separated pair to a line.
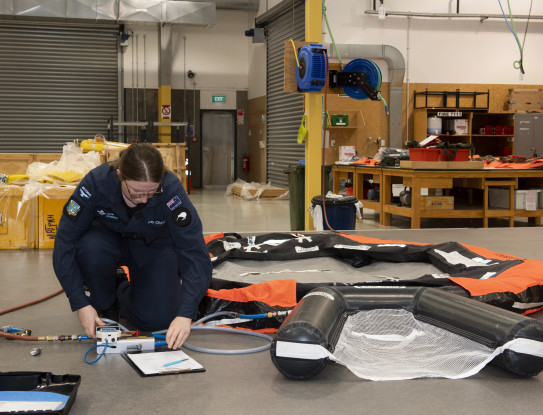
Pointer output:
x,y
57,84
284,111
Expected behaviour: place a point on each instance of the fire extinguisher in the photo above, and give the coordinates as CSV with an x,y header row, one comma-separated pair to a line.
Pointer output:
x,y
245,163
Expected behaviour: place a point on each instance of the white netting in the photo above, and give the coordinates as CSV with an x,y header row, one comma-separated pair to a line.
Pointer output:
x,y
392,345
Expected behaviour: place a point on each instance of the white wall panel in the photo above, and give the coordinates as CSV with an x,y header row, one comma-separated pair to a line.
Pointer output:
x,y
447,50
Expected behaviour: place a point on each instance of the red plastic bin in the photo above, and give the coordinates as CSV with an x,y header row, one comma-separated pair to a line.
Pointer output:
x,y
424,154
462,154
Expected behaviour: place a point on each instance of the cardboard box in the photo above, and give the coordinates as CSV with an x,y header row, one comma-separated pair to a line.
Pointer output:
x,y
437,202
50,205
498,198
17,220
458,126
346,153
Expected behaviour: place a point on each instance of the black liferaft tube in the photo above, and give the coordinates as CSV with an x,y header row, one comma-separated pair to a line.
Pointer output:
x,y
318,319
485,324
315,321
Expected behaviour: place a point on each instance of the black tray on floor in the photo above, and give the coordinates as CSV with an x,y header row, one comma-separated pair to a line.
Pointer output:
x,y
65,385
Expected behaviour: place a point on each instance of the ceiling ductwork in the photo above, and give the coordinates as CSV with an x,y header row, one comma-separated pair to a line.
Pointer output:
x,y
196,12
246,5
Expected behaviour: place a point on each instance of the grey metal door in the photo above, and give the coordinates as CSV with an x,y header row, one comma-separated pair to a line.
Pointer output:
x,y
524,135
538,134
218,147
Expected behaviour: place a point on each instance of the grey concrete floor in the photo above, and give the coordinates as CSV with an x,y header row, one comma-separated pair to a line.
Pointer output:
x,y
248,384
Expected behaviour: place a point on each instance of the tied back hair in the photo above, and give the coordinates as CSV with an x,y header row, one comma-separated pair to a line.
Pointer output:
x,y
140,162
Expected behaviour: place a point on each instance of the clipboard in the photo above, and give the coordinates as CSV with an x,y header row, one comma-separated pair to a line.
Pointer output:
x,y
152,363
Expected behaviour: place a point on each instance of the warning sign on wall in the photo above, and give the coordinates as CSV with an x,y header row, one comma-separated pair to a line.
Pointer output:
x,y
166,112
240,117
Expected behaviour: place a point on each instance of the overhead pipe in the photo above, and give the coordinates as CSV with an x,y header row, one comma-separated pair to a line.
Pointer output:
x,y
396,72
457,15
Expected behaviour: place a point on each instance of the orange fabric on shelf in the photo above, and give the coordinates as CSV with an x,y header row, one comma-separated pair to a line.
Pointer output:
x,y
366,161
534,164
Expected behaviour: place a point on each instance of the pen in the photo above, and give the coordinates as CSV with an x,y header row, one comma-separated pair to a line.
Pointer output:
x,y
174,363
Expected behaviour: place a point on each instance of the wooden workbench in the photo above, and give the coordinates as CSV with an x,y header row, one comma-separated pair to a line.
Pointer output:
x,y
415,179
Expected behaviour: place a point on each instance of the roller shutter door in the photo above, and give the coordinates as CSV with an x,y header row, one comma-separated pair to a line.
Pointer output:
x,y
284,111
58,83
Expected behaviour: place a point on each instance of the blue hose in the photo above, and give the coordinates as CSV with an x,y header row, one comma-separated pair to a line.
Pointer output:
x,y
105,346
195,326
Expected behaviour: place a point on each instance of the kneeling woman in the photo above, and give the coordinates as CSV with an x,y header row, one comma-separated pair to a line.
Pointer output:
x,y
133,212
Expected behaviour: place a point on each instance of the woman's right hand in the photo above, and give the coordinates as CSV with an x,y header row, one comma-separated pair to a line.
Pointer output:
x,y
88,317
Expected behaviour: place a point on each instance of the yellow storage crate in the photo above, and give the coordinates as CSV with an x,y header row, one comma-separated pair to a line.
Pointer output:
x,y
17,220
173,155
50,205
15,163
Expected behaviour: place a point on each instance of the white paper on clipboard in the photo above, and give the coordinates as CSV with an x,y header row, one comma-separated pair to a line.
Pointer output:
x,y
153,363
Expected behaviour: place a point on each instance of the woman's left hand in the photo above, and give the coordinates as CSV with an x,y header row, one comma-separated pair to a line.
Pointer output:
x,y
178,332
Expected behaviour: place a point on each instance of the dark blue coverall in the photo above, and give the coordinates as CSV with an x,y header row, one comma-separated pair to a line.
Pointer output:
x,y
162,245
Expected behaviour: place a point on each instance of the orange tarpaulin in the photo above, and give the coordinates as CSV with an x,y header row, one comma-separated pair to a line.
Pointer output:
x,y
534,164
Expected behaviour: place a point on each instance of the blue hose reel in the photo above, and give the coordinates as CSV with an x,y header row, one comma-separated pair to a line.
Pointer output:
x,y
312,68
357,87
360,78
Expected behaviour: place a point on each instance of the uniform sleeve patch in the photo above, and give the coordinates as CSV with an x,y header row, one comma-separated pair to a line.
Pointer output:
x,y
181,216
174,203
84,193
73,209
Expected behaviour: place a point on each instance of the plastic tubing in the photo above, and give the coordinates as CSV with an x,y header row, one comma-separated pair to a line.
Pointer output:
x,y
252,316
195,326
105,346
108,321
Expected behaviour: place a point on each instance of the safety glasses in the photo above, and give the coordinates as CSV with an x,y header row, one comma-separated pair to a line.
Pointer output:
x,y
138,195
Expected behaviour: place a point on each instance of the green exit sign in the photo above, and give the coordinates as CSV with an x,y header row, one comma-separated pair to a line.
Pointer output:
x,y
218,98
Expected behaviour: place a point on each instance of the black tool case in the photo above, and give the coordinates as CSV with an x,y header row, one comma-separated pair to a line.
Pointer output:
x,y
27,382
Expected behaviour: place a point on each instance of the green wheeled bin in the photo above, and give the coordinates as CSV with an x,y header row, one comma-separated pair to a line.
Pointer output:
x,y
296,190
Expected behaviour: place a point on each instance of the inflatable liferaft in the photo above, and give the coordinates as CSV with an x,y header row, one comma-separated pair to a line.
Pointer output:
x,y
315,332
